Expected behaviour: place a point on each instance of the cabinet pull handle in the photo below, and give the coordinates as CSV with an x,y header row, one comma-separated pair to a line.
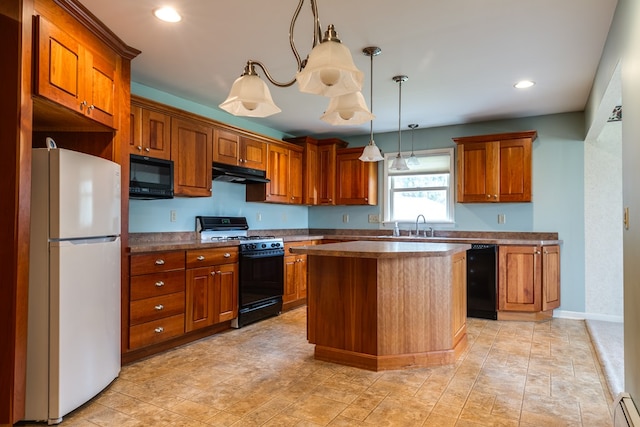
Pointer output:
x,y
200,258
159,284
159,330
227,255
159,307
159,262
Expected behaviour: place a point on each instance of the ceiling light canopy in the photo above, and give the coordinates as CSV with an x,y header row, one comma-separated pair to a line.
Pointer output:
x,y
523,84
328,70
167,14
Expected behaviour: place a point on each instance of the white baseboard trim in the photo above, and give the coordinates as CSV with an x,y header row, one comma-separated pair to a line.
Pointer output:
x,y
562,314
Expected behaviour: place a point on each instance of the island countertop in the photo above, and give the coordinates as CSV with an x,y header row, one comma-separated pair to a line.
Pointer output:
x,y
382,249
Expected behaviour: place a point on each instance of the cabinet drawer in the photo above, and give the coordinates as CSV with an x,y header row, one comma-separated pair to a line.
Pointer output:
x,y
156,262
146,310
207,257
156,331
153,285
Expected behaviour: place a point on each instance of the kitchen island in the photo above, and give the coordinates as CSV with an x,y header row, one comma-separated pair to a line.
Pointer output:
x,y
386,305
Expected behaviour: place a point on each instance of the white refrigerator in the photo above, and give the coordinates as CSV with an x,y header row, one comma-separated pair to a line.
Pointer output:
x,y
73,347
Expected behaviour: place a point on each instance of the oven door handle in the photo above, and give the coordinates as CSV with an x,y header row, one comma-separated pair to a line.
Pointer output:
x,y
262,255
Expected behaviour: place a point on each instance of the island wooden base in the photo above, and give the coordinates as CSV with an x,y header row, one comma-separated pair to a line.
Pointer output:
x,y
396,361
387,311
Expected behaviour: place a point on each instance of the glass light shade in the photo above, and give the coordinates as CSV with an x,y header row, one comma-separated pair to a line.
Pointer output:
x,y
330,71
349,109
371,153
412,160
250,97
399,164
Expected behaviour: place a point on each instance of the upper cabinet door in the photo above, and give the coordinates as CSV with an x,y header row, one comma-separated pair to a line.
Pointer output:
x,y
80,78
357,181
495,168
191,152
226,147
253,154
150,133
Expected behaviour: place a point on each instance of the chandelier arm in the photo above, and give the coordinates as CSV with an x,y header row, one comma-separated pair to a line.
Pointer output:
x,y
268,75
291,41
317,33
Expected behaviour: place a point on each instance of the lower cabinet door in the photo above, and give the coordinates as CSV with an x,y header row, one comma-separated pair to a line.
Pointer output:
x,y
199,310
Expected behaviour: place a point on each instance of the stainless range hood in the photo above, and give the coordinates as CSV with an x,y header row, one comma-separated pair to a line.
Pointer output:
x,y
238,174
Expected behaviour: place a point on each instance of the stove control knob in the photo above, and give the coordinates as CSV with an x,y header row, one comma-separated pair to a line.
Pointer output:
x,y
263,245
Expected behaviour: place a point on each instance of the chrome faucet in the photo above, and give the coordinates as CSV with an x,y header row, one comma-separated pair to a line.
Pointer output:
x,y
424,221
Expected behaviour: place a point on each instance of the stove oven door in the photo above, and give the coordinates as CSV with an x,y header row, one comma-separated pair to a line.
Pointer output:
x,y
261,277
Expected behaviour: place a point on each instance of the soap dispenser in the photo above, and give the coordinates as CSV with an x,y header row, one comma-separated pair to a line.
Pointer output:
x,y
396,230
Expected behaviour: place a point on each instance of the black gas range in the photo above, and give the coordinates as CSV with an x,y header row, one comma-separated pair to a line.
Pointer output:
x,y
261,266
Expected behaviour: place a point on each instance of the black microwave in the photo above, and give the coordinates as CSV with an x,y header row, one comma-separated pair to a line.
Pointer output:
x,y
150,178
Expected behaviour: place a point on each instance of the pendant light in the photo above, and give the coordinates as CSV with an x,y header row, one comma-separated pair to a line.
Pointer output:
x,y
371,152
399,164
412,160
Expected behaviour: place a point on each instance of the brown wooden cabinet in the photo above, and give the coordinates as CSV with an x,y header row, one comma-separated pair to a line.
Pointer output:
x,y
191,152
528,281
212,287
234,149
318,169
357,181
284,171
150,133
295,276
156,295
75,75
495,168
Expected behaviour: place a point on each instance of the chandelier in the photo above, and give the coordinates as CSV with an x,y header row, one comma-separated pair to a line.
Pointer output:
x,y
328,70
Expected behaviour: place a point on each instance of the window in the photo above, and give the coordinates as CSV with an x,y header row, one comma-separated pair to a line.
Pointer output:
x,y
424,189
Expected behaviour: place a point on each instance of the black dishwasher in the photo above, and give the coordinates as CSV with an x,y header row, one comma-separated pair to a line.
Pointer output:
x,y
481,281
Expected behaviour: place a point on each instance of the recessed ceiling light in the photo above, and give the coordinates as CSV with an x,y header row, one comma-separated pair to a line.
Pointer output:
x,y
167,14
523,84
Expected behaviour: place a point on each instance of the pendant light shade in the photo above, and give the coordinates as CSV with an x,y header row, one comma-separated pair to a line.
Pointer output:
x,y
412,160
371,152
330,70
250,96
349,109
399,164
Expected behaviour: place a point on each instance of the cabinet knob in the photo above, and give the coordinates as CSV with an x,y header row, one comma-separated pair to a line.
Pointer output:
x,y
537,252
495,196
227,255
147,149
159,262
159,307
488,196
159,284
200,258
139,147
219,272
213,273
159,330
91,107
82,105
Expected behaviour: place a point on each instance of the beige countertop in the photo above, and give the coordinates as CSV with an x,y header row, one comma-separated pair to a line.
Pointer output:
x,y
161,242
382,249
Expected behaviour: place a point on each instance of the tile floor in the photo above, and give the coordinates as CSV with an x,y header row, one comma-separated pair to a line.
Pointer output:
x,y
512,374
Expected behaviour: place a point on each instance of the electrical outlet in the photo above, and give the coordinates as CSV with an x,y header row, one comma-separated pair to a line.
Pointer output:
x,y
284,217
502,218
173,216
345,217
258,216
374,218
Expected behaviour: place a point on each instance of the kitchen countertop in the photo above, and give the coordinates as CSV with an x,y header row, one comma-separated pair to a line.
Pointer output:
x,y
161,242
382,249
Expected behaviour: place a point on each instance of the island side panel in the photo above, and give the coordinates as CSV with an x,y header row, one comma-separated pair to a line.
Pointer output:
x,y
414,305
342,303
459,288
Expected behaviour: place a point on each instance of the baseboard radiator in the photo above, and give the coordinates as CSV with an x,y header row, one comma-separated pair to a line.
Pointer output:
x,y
625,412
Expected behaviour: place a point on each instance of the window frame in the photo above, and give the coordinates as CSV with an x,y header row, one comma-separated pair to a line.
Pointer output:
x,y
388,158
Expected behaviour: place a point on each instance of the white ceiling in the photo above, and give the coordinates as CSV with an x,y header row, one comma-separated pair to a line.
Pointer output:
x,y
462,57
